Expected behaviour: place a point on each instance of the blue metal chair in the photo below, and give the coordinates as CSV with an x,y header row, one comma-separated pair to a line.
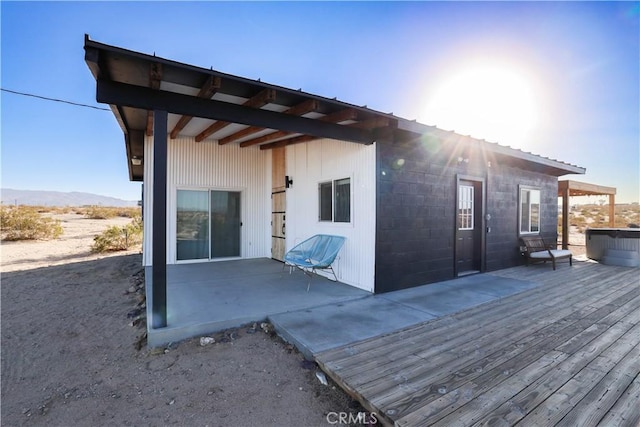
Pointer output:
x,y
315,253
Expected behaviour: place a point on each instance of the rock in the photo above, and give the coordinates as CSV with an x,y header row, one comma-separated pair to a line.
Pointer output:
x,y
204,341
131,289
252,329
322,378
266,327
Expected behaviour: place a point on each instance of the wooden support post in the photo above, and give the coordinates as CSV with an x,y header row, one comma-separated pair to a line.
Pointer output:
x,y
565,217
159,232
612,210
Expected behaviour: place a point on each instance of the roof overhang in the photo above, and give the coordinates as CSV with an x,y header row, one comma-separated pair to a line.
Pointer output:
x,y
221,108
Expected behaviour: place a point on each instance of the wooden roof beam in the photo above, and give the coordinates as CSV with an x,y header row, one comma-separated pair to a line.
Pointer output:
x,y
297,110
374,123
262,98
337,117
155,77
209,89
290,141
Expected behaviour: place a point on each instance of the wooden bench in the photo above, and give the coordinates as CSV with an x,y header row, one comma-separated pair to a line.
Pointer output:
x,y
538,251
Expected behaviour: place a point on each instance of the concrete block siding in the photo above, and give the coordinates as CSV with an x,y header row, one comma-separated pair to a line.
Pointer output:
x,y
416,210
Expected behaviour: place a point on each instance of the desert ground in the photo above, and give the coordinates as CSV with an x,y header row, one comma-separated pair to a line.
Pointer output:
x,y
69,358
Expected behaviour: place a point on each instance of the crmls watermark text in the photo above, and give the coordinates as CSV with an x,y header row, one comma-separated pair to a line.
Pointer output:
x,y
365,418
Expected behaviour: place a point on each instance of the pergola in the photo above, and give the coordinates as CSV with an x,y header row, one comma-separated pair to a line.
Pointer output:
x,y
570,188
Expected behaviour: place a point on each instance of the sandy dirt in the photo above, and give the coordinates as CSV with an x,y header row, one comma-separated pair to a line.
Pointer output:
x,y
68,355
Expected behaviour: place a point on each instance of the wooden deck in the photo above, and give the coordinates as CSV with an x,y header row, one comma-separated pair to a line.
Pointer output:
x,y
565,353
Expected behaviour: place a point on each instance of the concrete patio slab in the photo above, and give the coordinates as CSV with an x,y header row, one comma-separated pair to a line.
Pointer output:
x,y
448,297
208,297
324,327
321,328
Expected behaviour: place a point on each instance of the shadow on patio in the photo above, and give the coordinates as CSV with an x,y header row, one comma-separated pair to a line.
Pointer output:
x,y
209,297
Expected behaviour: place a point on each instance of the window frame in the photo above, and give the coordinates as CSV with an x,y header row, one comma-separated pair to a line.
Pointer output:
x,y
208,190
530,229
322,212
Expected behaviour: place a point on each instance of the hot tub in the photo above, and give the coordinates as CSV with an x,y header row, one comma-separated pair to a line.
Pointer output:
x,y
614,246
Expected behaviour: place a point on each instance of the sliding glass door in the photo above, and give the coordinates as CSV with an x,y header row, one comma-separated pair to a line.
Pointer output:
x,y
208,224
225,224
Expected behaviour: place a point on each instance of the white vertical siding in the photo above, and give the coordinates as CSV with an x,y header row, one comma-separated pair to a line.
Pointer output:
x,y
207,165
325,160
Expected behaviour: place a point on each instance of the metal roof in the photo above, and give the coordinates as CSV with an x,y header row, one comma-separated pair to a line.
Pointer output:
x,y
226,109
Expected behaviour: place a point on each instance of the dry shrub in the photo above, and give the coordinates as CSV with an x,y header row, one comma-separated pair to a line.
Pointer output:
x,y
26,223
597,216
54,210
131,212
99,212
106,212
119,238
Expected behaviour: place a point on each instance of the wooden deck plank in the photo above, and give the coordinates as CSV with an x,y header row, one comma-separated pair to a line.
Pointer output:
x,y
454,355
502,406
472,319
471,387
626,411
467,392
537,315
554,409
501,361
601,398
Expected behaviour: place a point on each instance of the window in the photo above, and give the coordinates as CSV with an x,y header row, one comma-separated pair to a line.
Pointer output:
x,y
326,201
465,207
334,199
529,211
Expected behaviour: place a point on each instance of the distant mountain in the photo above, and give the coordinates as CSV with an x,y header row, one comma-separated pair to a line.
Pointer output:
x,y
58,198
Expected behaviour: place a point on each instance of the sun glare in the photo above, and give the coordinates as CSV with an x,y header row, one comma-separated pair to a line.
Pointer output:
x,y
493,102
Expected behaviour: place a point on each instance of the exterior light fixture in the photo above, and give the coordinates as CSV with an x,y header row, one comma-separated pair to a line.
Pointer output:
x,y
136,161
288,181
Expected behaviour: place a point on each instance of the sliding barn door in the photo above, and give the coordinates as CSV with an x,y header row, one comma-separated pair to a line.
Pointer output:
x,y
278,204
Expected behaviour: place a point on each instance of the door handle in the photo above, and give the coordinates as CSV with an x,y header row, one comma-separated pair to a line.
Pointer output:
x,y
283,225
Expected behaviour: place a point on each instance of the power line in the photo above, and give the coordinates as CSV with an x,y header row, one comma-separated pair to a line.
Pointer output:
x,y
54,99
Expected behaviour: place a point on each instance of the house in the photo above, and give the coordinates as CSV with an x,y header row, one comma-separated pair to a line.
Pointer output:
x,y
238,168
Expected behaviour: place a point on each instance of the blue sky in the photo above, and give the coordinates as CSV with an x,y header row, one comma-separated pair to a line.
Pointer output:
x,y
580,62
